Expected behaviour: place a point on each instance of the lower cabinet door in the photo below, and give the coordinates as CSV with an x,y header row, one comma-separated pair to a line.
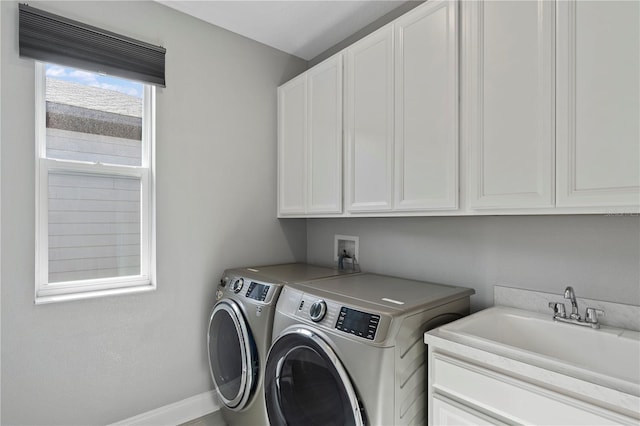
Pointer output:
x,y
449,413
514,400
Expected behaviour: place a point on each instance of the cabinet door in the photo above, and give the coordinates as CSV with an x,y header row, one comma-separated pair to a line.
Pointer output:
x,y
514,401
426,100
369,120
598,85
292,122
508,90
449,413
325,137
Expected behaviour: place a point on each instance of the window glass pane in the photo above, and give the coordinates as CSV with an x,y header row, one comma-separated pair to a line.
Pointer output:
x,y
94,226
93,117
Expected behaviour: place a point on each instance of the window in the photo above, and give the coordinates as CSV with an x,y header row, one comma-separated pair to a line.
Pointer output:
x,y
95,196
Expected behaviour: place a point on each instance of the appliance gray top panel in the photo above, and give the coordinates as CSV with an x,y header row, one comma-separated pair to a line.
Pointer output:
x,y
392,293
285,273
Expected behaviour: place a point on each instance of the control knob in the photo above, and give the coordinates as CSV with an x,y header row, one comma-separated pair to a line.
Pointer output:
x,y
237,285
318,310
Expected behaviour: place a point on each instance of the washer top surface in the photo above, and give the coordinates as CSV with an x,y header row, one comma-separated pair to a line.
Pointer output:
x,y
390,294
286,273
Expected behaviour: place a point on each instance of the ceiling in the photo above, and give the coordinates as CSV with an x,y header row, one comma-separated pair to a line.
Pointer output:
x,y
304,28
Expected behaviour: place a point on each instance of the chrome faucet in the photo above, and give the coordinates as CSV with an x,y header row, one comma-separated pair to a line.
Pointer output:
x,y
571,295
559,313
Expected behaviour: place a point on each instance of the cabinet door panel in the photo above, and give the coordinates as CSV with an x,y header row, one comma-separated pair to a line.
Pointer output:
x,y
426,156
510,87
514,400
325,137
369,65
598,103
291,146
446,413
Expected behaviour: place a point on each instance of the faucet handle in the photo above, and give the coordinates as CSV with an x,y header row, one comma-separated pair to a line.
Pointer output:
x,y
592,315
558,309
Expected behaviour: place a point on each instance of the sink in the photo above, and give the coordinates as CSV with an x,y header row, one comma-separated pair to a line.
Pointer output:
x,y
607,355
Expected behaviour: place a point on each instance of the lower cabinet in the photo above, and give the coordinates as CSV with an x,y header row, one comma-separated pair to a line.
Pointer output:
x,y
463,393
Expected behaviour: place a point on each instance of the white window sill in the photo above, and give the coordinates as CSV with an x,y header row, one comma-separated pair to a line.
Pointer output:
x,y
41,300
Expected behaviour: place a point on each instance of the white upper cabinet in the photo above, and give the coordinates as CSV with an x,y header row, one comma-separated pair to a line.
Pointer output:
x,y
508,98
369,122
325,137
292,128
470,108
310,142
551,100
598,103
402,114
426,108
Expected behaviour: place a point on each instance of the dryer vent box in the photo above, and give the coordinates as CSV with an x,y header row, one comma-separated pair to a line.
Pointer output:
x,y
346,244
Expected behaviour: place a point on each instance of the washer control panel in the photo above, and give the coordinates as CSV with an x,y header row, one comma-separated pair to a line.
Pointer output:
x,y
361,324
331,316
257,291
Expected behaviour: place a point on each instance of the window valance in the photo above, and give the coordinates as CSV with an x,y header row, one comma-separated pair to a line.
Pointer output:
x,y
51,38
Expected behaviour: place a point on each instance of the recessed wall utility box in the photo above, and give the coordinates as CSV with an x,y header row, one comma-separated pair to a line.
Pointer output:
x,y
346,244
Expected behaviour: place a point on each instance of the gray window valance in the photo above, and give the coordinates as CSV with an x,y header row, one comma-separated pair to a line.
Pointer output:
x,y
51,38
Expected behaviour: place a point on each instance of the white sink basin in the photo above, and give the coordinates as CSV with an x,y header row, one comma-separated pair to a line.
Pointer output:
x,y
607,354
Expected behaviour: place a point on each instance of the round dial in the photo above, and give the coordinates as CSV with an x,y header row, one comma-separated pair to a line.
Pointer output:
x,y
318,310
237,285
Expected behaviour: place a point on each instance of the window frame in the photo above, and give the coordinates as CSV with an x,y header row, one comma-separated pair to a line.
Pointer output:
x,y
46,292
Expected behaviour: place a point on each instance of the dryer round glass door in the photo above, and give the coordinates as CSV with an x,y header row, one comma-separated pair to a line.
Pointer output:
x,y
233,360
306,384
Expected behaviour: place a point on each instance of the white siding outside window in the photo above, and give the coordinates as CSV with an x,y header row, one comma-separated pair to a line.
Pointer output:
x,y
95,198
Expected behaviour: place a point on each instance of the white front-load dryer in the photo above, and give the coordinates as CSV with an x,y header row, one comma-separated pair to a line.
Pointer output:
x,y
349,351
239,334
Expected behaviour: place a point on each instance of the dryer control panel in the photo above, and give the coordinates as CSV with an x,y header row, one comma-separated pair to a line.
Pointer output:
x,y
248,290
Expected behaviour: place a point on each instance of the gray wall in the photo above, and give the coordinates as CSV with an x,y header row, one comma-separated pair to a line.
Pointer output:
x,y
103,360
598,255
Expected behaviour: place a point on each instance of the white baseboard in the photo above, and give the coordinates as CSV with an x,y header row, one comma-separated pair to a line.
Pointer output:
x,y
176,413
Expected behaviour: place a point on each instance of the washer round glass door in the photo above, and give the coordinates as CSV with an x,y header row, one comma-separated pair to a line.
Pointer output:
x,y
232,354
305,383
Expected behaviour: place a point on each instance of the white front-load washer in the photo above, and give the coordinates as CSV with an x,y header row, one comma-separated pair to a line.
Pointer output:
x,y
349,350
239,334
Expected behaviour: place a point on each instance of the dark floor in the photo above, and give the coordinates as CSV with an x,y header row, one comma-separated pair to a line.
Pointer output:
x,y
213,419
